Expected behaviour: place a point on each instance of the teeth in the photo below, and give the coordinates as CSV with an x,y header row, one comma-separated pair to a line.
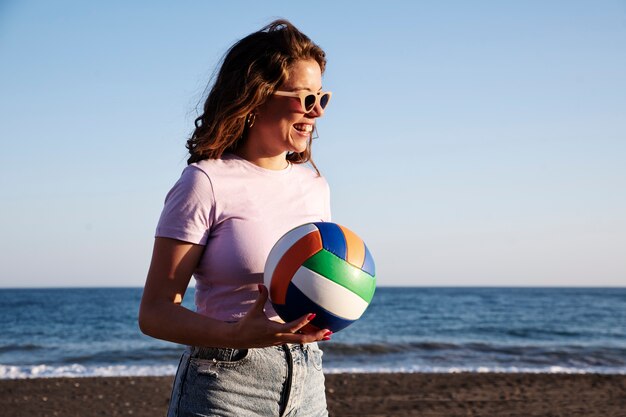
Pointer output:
x,y
304,127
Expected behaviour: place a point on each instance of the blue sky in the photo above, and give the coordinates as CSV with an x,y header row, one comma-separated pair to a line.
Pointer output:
x,y
468,143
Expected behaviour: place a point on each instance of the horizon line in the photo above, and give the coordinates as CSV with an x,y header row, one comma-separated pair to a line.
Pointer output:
x,y
62,287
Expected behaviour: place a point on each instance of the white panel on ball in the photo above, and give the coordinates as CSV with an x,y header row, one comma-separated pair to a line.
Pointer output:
x,y
329,295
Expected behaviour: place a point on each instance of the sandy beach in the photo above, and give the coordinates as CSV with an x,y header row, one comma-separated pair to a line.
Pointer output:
x,y
426,395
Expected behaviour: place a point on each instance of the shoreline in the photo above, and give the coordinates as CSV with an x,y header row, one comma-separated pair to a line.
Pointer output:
x,y
362,394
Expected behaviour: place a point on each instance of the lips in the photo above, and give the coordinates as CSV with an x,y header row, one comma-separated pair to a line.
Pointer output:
x,y
303,127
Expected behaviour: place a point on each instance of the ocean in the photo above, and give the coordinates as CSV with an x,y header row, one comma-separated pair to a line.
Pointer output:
x,y
93,332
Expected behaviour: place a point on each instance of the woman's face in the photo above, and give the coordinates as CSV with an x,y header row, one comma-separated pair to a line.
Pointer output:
x,y
281,123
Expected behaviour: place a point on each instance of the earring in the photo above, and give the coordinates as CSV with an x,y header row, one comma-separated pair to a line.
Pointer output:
x,y
250,119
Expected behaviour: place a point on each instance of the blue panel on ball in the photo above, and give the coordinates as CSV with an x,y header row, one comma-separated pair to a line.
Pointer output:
x,y
368,263
333,239
300,304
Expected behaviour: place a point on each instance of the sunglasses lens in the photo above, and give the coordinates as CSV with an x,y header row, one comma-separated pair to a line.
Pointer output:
x,y
324,100
309,102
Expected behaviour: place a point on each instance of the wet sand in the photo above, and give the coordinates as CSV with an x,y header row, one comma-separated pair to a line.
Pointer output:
x,y
425,395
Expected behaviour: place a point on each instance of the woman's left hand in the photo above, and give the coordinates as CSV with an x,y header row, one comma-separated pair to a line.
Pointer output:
x,y
256,330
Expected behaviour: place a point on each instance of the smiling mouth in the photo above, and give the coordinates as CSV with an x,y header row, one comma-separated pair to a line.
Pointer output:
x,y
303,127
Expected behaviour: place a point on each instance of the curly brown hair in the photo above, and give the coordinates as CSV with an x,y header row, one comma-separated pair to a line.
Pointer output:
x,y
251,71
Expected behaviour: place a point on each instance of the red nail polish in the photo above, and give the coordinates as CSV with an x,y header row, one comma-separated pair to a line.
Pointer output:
x,y
326,338
310,316
328,334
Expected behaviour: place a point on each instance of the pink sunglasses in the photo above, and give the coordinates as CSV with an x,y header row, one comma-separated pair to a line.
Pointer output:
x,y
307,99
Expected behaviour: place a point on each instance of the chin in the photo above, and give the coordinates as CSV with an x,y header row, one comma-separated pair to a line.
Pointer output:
x,y
299,145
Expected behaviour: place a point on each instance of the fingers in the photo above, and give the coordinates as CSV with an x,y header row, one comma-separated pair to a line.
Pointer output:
x,y
259,304
263,293
303,333
296,325
303,338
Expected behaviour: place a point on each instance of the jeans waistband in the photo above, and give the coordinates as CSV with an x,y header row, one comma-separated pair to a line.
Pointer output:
x,y
230,354
220,354
294,346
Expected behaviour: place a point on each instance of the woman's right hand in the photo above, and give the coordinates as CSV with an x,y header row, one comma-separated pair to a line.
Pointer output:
x,y
256,330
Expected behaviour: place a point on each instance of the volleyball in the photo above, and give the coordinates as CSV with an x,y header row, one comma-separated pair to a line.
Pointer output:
x,y
320,268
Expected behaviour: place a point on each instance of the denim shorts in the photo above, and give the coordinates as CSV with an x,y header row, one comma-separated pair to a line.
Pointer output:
x,y
274,381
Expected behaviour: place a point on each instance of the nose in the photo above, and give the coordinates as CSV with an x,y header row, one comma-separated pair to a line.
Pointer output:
x,y
316,111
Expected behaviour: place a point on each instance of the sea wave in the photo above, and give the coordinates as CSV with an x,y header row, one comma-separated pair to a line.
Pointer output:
x,y
473,357
81,371
124,356
471,369
593,355
76,370
383,348
16,347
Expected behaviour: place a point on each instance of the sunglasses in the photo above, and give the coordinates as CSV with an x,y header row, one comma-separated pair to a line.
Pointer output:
x,y
307,99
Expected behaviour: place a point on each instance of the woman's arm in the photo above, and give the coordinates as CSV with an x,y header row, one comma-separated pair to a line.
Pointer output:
x,y
162,316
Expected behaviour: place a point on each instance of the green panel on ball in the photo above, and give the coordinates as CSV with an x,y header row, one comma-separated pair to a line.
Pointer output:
x,y
344,274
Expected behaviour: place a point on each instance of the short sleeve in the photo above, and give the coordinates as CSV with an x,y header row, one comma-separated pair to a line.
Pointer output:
x,y
189,207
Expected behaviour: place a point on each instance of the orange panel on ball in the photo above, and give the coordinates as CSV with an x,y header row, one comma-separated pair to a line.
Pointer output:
x,y
293,258
355,248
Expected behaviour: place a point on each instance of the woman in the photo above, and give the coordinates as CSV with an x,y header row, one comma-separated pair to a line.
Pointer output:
x,y
245,186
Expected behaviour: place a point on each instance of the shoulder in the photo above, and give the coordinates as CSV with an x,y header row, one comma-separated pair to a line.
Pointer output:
x,y
206,166
306,173
193,177
226,165
197,179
